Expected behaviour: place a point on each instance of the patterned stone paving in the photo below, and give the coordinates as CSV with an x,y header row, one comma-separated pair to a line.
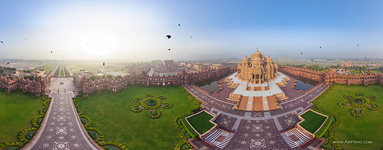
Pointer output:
x,y
61,128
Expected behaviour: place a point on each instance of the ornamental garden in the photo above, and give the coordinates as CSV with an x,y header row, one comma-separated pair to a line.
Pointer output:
x,y
139,115
151,104
358,103
21,115
357,115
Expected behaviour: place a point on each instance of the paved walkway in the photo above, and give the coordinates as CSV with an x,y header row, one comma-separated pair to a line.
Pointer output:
x,y
61,128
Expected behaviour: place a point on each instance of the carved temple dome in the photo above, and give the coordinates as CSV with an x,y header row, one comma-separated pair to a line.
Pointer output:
x,y
257,69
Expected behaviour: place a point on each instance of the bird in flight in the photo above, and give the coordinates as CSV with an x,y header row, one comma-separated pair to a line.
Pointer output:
x,y
168,36
320,47
7,63
1,42
191,37
103,64
169,49
51,52
301,53
179,24
357,45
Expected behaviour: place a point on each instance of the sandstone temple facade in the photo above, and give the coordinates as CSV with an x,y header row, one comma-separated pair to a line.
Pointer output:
x,y
86,86
257,84
257,69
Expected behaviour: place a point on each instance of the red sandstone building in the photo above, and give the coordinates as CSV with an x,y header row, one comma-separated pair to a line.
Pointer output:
x,y
86,86
333,77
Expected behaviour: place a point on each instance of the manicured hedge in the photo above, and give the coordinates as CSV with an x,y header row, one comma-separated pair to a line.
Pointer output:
x,y
360,94
148,95
34,120
137,99
161,97
99,132
121,146
175,123
343,104
136,111
355,114
371,107
359,106
89,121
325,126
22,135
167,107
143,104
372,98
188,128
149,113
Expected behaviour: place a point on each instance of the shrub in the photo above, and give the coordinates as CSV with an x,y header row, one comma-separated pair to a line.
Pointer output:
x,y
374,107
372,98
359,94
143,103
22,134
99,132
148,95
153,115
354,112
343,104
121,146
133,108
79,111
137,99
359,106
89,121
176,124
43,110
167,105
348,96
162,97
34,120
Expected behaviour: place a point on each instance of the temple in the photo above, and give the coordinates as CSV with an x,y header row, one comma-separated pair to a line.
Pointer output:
x,y
257,69
257,84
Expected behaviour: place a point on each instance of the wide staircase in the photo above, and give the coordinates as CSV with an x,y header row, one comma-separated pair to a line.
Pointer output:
x,y
295,137
219,138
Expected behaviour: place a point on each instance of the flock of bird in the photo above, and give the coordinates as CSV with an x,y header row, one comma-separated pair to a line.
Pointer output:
x,y
168,36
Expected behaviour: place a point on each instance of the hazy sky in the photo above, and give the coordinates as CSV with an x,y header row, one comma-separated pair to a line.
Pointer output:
x,y
219,29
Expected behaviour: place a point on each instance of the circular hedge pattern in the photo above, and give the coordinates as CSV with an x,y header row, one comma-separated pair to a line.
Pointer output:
x,y
144,104
167,105
359,94
343,104
136,108
372,98
359,102
357,112
348,96
137,99
161,97
151,102
374,106
148,95
154,114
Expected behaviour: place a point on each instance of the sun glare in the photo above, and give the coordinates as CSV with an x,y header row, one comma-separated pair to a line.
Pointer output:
x,y
98,43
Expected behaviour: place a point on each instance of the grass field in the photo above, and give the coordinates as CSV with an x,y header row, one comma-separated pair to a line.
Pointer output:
x,y
376,71
137,131
367,128
16,114
201,122
312,121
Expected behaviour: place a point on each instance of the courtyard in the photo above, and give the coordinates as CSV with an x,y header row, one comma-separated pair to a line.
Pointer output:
x,y
353,128
112,114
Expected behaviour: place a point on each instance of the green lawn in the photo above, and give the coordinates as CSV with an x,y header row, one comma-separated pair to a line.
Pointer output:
x,y
16,114
312,121
137,131
201,122
367,128
376,71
